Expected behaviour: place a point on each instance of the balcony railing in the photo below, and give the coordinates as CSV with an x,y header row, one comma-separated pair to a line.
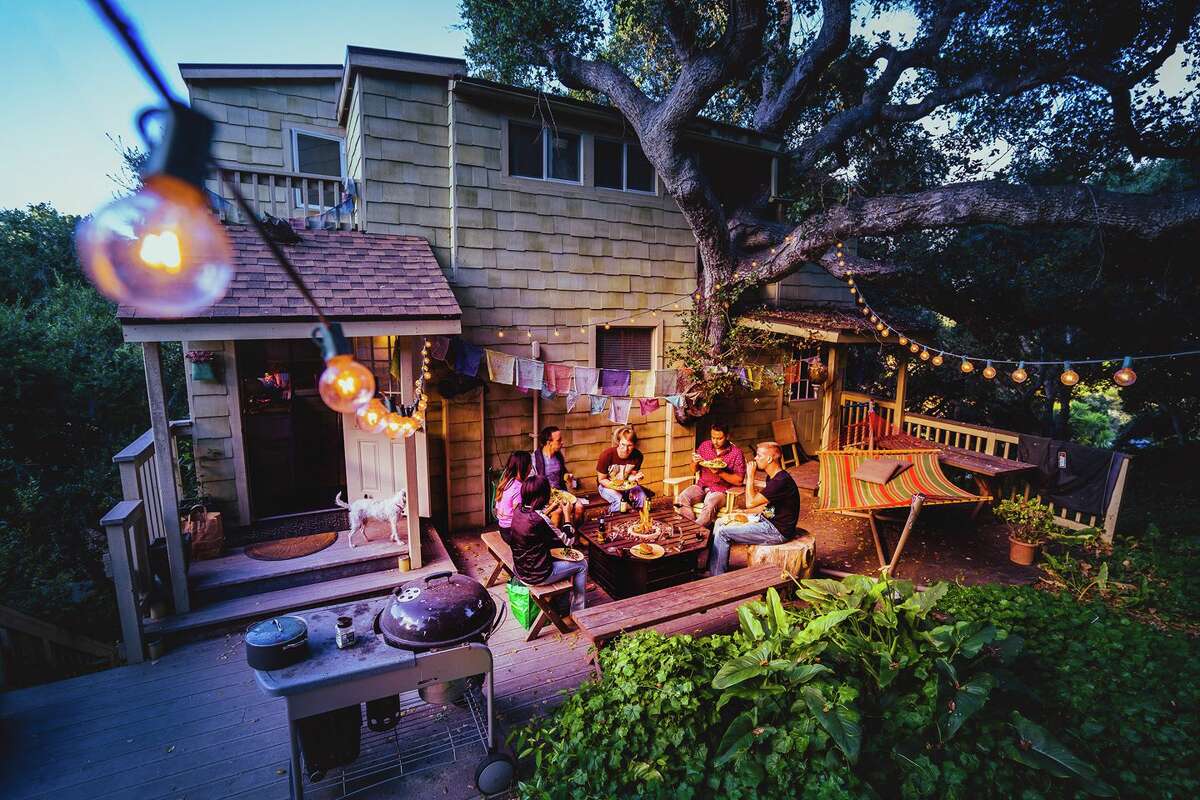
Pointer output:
x,y
286,195
982,439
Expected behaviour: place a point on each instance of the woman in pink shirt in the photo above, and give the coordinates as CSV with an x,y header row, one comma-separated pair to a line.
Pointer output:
x,y
508,490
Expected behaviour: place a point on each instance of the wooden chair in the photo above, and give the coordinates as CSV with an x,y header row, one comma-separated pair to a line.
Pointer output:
x,y
542,596
784,431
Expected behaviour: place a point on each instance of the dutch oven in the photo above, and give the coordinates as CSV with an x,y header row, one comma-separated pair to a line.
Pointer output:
x,y
276,643
441,610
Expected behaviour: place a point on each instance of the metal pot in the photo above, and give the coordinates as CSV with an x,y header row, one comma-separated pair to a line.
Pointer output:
x,y
440,610
276,643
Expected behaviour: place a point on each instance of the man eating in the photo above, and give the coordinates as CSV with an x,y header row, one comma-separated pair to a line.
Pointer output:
x,y
780,496
712,482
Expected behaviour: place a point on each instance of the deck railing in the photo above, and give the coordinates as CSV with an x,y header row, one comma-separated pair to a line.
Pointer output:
x,y
33,651
282,194
990,441
134,524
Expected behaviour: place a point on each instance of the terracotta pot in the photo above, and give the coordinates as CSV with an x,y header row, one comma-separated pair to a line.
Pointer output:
x,y
1022,553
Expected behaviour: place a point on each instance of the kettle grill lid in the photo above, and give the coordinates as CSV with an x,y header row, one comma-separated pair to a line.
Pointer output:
x,y
439,610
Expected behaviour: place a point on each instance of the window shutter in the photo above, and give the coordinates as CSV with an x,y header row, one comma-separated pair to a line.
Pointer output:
x,y
624,348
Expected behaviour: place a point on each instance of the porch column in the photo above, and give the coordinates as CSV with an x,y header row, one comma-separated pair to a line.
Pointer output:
x,y
831,399
901,390
411,487
164,471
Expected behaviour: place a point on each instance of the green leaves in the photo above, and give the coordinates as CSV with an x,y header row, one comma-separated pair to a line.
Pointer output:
x,y
742,668
823,624
738,737
966,700
838,720
1038,749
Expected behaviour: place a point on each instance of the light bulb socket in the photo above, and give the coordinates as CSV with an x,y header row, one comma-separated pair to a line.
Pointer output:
x,y
184,150
331,340
1127,363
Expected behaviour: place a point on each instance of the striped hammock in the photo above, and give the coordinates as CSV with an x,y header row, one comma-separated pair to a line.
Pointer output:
x,y
840,492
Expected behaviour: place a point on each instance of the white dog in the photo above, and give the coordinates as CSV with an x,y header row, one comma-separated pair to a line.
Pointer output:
x,y
386,508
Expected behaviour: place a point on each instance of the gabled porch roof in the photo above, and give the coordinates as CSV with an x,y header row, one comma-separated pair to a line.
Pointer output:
x,y
373,284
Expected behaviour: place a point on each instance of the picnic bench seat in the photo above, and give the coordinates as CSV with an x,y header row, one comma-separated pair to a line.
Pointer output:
x,y
604,622
542,596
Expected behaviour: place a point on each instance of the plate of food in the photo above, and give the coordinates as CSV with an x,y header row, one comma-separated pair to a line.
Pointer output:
x,y
620,485
561,498
566,554
647,550
714,463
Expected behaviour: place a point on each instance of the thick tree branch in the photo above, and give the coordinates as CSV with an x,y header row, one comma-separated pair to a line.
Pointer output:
x,y
601,76
683,38
1142,215
782,101
856,265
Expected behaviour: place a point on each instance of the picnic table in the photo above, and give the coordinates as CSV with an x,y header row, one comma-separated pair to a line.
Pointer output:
x,y
987,470
623,575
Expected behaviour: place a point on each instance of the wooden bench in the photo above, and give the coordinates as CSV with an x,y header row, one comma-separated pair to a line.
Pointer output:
x,y
604,622
542,596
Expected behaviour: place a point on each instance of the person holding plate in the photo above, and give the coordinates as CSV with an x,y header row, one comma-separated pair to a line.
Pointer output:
x,y
780,495
532,538
549,462
719,465
619,471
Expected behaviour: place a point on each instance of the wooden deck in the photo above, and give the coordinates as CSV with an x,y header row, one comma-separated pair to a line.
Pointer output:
x,y
195,725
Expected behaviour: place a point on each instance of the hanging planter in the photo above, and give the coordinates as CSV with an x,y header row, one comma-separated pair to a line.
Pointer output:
x,y
204,365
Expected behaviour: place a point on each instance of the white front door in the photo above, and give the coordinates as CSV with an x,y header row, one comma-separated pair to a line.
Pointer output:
x,y
807,415
375,464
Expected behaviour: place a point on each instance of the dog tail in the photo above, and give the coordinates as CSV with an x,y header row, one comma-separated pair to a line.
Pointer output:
x,y
340,502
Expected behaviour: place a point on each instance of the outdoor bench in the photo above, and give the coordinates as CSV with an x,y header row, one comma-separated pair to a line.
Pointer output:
x,y
542,596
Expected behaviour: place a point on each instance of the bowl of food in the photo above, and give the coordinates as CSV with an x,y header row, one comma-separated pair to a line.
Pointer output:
x,y
714,463
647,551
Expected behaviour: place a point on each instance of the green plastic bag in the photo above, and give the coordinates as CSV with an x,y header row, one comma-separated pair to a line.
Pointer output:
x,y
524,610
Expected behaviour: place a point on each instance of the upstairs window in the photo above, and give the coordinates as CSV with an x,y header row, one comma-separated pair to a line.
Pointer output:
x,y
625,348
543,153
623,165
318,154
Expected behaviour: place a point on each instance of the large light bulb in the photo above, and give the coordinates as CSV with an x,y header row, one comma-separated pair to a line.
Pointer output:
x,y
966,366
345,385
395,425
1125,376
160,250
989,371
372,418
1019,375
938,360
1069,377
924,355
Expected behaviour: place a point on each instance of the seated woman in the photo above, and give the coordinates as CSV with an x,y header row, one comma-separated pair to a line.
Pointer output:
x,y
548,461
619,466
531,537
508,490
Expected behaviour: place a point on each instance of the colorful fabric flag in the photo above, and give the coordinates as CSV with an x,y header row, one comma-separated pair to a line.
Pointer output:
x,y
547,394
641,383
439,347
683,378
599,401
614,382
618,413
756,375
467,357
648,405
587,380
558,378
572,399
529,373
665,381
742,376
500,367
676,400
792,373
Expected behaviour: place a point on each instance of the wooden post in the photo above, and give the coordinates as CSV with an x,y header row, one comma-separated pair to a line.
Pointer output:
x,y
831,399
116,525
411,487
669,446
1114,503
901,391
536,354
164,470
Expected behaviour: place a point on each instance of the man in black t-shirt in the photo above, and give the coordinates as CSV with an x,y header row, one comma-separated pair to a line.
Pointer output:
x,y
781,496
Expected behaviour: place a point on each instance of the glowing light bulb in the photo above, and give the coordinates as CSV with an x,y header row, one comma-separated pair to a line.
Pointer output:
x,y
850,281
879,326
1069,377
885,333
1125,376
874,318
345,385
989,371
913,347
607,326
500,334
903,341
397,423
428,375
966,366
924,355
528,334
938,360
583,328
556,333
864,309
853,290
1019,375
160,250
372,418
860,300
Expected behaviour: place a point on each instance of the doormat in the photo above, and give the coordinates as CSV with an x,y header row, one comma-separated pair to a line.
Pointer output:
x,y
296,547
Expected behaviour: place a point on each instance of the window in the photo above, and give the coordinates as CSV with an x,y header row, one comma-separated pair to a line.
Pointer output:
x,y
543,153
625,348
318,154
803,389
623,165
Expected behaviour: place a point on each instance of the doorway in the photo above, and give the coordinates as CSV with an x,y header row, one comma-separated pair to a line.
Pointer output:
x,y
295,461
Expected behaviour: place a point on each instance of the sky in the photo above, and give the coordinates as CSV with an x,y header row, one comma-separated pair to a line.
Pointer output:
x,y
69,86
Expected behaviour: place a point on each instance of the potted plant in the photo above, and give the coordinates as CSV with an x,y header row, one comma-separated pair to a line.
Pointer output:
x,y
1028,522
204,364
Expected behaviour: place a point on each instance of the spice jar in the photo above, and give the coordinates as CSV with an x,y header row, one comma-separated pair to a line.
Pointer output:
x,y
344,633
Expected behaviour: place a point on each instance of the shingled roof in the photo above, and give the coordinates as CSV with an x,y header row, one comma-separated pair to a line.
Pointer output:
x,y
355,276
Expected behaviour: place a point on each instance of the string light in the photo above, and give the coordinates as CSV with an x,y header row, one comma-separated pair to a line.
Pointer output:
x,y
1125,376
556,333
1069,377
1019,375
913,347
989,371
903,341
500,333
938,360
372,418
345,385
966,366
885,333
924,355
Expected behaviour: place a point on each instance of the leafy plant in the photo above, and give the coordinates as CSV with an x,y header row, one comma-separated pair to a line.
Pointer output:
x,y
1028,520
